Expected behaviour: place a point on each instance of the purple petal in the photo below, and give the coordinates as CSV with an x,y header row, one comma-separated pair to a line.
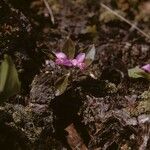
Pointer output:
x,y
80,57
64,62
67,63
61,55
146,68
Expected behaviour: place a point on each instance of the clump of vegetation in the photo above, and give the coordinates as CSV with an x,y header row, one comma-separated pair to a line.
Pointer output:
x,y
65,58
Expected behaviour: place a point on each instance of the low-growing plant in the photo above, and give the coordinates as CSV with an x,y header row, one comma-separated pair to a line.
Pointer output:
x,y
67,59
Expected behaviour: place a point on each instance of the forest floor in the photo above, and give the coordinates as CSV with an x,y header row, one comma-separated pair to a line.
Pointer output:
x,y
104,110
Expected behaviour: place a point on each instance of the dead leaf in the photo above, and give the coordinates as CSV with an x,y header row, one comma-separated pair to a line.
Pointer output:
x,y
74,138
90,56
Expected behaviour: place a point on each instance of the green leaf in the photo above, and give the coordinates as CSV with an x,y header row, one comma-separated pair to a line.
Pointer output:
x,y
90,56
135,72
3,74
138,73
62,84
9,81
69,48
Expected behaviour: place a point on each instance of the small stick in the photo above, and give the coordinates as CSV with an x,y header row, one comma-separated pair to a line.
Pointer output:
x,y
49,10
74,139
125,20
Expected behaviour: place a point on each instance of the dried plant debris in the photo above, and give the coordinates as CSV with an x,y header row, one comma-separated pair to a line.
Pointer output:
x,y
142,106
27,128
14,25
109,127
74,138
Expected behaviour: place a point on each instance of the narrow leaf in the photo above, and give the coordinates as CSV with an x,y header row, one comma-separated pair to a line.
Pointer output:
x,y
3,74
62,84
9,81
69,48
90,56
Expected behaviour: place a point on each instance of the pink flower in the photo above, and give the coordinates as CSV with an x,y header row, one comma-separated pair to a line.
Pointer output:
x,y
146,68
64,62
61,59
79,61
61,55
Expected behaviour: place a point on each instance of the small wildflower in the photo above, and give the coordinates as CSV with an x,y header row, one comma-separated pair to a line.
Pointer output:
x,y
61,59
61,55
79,61
146,68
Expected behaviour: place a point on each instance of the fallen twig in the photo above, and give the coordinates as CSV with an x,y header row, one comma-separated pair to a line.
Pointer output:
x,y
74,139
125,20
49,10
